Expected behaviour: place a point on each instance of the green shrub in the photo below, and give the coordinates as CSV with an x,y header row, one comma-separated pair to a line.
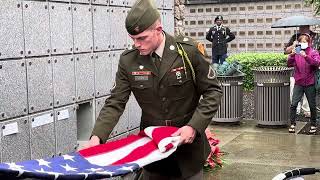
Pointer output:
x,y
251,60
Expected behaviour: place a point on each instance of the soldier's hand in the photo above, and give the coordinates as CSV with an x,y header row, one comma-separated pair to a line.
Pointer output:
x,y
94,141
186,133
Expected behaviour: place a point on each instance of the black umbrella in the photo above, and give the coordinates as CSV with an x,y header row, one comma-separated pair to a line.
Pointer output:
x,y
295,21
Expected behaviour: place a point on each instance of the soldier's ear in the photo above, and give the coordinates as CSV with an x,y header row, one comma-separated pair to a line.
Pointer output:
x,y
159,28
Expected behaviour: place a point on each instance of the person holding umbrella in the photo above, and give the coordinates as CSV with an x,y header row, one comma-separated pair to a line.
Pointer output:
x,y
306,61
291,45
304,23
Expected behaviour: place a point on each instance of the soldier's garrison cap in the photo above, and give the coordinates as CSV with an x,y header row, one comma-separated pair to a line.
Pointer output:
x,y
218,18
141,16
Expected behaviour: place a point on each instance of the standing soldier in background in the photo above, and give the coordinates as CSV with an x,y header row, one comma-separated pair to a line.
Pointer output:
x,y
167,89
219,35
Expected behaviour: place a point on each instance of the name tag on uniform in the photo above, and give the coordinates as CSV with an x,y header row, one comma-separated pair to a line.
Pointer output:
x,y
177,69
141,78
141,73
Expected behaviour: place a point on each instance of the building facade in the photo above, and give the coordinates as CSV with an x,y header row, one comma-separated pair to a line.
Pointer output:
x,y
249,20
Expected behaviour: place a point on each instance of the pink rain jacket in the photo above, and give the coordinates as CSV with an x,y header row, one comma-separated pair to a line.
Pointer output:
x,y
305,67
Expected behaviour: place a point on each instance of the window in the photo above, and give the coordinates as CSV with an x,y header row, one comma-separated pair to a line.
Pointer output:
x,y
287,6
200,34
233,21
187,34
268,7
208,45
242,33
276,19
269,20
277,45
278,7
251,8
259,7
192,22
193,34
277,32
225,9
208,9
208,21
186,22
250,20
260,20
297,6
251,33
250,45
268,45
260,33
192,10
242,8
225,21
287,32
200,22
233,45
242,45
200,10
259,45
233,9
268,32
216,9
242,21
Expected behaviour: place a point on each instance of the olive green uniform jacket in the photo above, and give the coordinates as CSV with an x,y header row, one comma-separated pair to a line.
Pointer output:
x,y
167,94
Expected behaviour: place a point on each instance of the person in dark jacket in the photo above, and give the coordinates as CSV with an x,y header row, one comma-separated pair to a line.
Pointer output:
x,y
305,61
163,85
219,35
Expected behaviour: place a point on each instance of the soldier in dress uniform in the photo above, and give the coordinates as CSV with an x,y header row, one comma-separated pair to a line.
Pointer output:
x,y
165,90
219,35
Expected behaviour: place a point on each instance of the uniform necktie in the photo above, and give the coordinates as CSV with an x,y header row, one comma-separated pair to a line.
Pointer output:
x,y
157,60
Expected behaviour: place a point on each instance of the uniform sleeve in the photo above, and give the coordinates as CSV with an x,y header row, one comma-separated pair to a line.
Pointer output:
x,y
210,89
209,35
114,105
230,35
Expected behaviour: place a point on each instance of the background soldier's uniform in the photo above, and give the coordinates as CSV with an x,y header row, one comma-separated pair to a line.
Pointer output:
x,y
165,94
219,36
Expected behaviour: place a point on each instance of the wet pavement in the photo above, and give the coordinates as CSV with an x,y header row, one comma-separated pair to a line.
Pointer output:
x,y
262,153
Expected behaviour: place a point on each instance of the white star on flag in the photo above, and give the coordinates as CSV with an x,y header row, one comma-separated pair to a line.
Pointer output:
x,y
41,170
56,175
16,167
42,162
85,175
67,157
106,172
94,169
125,168
69,168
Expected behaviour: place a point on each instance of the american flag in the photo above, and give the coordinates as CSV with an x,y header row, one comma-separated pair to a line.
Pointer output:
x,y
106,160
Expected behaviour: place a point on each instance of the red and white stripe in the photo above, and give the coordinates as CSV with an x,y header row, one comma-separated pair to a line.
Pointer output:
x,y
150,145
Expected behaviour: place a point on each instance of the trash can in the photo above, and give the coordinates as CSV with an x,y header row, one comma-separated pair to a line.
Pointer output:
x,y
272,95
231,107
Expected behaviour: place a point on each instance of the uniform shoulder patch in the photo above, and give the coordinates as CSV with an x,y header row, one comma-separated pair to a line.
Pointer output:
x,y
201,49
